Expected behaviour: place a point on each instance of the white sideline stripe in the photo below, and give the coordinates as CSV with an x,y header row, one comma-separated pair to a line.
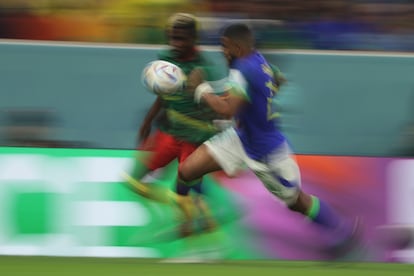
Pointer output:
x,y
102,169
109,213
203,47
30,42
41,167
340,53
87,251
21,167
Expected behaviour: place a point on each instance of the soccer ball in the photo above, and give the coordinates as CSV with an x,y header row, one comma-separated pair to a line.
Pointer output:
x,y
162,77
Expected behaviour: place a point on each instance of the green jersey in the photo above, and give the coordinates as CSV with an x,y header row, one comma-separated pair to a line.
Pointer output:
x,y
185,119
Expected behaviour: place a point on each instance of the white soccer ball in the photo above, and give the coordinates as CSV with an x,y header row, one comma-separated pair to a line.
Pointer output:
x,y
162,77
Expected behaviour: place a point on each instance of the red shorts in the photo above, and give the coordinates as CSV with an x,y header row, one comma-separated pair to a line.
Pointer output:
x,y
165,148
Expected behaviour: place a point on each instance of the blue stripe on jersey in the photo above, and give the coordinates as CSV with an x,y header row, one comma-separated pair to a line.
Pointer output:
x,y
258,126
284,181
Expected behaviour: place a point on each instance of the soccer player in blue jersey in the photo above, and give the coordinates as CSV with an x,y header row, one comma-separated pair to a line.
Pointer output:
x,y
256,141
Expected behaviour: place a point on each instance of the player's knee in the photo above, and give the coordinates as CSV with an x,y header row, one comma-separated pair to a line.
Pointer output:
x,y
184,174
300,203
285,190
183,188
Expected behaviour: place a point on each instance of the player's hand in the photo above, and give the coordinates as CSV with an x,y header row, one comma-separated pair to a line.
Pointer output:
x,y
280,80
195,78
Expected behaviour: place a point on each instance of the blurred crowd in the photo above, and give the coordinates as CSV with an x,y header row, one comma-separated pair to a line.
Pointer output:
x,y
33,127
385,25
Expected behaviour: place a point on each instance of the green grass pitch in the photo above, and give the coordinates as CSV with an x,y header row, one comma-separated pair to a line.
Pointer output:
x,y
63,266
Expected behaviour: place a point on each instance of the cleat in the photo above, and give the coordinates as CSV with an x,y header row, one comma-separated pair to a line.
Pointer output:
x,y
208,224
149,191
136,185
349,243
186,229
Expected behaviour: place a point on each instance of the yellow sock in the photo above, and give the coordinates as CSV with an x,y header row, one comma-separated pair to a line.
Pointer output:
x,y
186,205
137,185
205,212
159,194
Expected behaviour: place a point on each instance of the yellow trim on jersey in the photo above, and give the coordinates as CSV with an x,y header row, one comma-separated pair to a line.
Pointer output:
x,y
174,115
270,114
272,86
170,97
268,70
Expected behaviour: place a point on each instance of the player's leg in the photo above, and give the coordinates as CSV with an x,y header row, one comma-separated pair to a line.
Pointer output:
x,y
185,204
345,232
222,152
206,218
283,180
313,207
195,166
163,150
183,198
317,210
281,176
194,208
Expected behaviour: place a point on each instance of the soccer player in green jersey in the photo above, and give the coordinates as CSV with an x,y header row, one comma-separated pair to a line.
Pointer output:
x,y
183,126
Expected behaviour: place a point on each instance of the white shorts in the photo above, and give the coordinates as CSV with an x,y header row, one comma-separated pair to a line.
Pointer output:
x,y
279,172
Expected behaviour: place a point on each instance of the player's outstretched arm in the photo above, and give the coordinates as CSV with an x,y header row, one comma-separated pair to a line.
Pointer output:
x,y
195,78
226,104
145,128
278,75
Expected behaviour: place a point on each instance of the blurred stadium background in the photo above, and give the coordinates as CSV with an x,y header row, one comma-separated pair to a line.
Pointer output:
x,y
58,93
317,24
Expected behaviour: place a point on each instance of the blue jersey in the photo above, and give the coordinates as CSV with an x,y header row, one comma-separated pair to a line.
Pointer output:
x,y
257,121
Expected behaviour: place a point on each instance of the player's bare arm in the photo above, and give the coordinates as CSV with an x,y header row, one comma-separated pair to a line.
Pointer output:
x,y
145,128
226,105
195,78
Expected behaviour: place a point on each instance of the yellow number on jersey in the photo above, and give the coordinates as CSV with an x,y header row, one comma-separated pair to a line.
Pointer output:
x,y
270,114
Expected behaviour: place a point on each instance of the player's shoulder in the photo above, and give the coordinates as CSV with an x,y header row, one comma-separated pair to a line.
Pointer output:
x,y
165,54
257,61
247,66
202,58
